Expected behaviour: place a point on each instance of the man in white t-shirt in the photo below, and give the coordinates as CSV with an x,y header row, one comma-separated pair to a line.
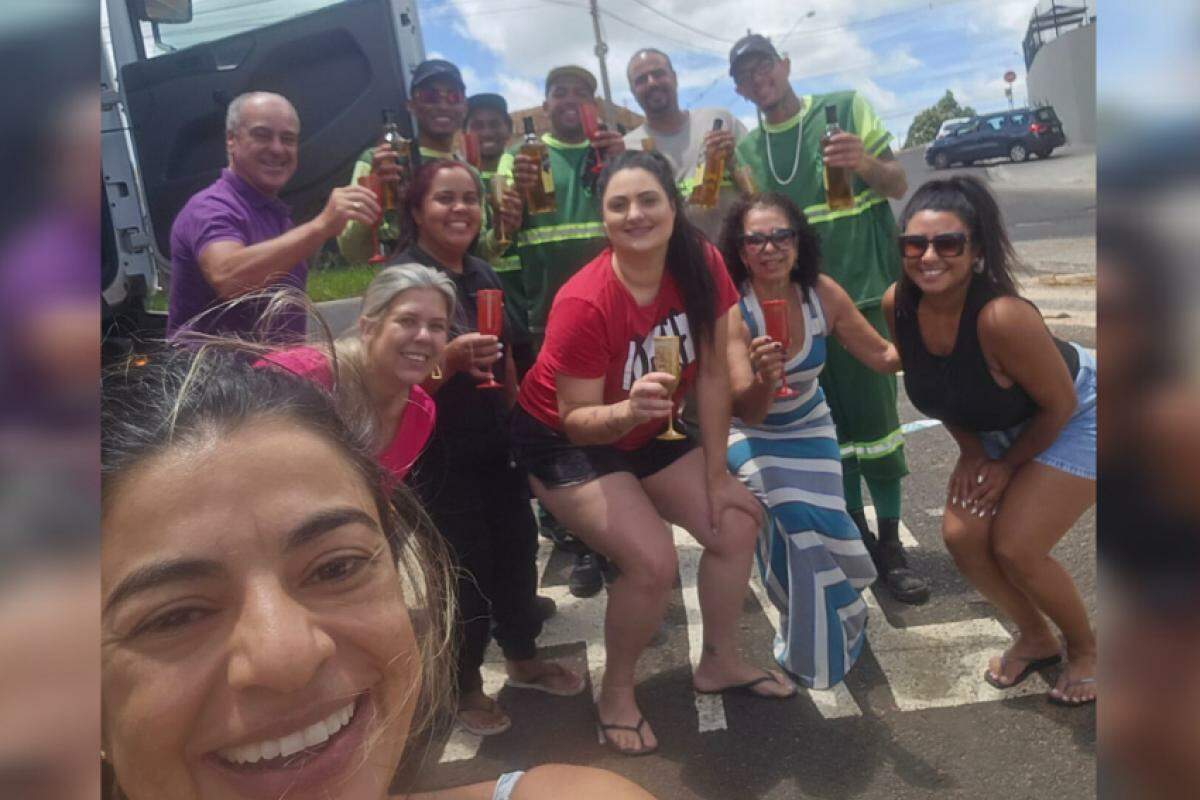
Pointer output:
x,y
685,137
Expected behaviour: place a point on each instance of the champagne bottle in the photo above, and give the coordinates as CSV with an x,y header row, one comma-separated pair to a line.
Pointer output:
x,y
838,194
705,195
539,198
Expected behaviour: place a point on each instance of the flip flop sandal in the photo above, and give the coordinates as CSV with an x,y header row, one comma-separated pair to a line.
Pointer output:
x,y
747,688
1032,665
642,750
1066,701
483,730
541,687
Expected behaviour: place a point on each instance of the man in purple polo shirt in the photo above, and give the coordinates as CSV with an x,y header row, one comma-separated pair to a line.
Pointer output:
x,y
236,236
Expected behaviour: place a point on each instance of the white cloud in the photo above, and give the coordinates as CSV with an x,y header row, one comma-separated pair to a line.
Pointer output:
x,y
520,92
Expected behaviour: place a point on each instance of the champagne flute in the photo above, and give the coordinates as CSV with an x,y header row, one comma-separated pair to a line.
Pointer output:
x,y
666,359
775,314
489,311
373,184
500,185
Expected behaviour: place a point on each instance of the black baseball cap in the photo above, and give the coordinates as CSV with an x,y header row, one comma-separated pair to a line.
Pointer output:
x,y
749,44
486,100
436,68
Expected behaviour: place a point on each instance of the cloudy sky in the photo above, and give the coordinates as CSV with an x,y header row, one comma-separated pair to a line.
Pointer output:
x,y
901,54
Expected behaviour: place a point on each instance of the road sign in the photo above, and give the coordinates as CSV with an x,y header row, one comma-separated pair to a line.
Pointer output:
x,y
1010,76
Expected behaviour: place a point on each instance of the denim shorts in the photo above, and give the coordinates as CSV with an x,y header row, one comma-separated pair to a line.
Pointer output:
x,y
553,459
1074,451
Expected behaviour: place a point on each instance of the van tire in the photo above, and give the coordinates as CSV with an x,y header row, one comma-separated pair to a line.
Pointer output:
x,y
941,161
1018,153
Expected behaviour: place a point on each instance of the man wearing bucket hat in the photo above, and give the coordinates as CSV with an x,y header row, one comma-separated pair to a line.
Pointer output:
x,y
858,248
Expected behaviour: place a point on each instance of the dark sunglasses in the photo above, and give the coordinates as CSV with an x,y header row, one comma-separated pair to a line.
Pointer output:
x,y
758,241
946,245
430,95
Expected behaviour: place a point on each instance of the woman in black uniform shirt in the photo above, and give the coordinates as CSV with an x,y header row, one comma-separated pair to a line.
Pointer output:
x,y
477,498
1021,406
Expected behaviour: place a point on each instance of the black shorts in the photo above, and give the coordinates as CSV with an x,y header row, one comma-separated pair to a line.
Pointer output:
x,y
549,456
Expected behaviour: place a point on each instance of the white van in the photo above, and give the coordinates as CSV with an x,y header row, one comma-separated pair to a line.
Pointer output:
x,y
168,72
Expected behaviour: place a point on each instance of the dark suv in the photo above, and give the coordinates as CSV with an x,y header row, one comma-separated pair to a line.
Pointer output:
x,y
1016,134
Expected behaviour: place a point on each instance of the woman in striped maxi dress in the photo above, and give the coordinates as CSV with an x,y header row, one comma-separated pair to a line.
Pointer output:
x,y
811,557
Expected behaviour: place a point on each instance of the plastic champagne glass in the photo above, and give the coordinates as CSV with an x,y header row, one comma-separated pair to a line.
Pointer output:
x,y
666,359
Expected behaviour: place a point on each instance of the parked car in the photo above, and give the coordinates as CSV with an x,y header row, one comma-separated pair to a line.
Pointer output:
x,y
948,127
1015,134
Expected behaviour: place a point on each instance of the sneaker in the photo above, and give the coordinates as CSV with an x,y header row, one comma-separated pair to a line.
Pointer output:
x,y
545,607
892,565
587,576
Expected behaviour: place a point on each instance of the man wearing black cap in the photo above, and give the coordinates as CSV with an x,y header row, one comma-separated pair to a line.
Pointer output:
x,y
553,246
487,118
858,250
438,104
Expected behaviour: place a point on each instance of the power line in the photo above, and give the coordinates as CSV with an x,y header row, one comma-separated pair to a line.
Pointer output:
x,y
683,25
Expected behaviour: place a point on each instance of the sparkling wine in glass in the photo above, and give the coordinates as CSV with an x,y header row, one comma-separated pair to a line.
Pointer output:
x,y
666,359
489,315
775,314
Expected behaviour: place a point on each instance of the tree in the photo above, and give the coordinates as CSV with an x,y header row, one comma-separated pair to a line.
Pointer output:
x,y
925,124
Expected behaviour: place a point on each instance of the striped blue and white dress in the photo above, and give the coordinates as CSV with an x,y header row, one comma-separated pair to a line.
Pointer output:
x,y
811,557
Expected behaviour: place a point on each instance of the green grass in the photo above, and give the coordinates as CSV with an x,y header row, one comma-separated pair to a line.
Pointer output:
x,y
336,283
324,283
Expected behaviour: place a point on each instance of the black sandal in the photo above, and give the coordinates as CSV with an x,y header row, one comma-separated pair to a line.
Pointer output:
x,y
643,750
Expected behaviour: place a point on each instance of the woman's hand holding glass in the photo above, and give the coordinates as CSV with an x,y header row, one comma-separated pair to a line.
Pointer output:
x,y
766,359
473,353
650,397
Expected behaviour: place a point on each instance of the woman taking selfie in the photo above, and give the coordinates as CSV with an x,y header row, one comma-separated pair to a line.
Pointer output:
x,y
477,498
257,586
1021,404
812,558
590,411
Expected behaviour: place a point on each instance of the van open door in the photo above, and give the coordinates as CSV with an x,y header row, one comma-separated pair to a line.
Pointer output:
x,y
339,65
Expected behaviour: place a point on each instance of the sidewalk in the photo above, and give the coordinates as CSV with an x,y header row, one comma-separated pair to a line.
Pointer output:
x,y
1058,261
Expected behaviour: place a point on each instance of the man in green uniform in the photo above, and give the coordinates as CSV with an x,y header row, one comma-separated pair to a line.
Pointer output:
x,y
554,245
858,246
438,104
488,119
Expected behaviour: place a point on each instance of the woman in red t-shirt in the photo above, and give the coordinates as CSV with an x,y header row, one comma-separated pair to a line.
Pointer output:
x,y
590,409
403,329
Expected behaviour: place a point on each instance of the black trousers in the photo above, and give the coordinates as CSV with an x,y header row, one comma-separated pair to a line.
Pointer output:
x,y
480,506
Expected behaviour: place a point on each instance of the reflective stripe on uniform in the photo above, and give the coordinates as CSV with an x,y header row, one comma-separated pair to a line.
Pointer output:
x,y
560,233
879,448
507,264
862,201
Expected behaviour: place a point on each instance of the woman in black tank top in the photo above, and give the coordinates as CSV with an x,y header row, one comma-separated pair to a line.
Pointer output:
x,y
1020,405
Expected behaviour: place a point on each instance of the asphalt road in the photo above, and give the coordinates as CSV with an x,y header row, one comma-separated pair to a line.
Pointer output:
x,y
1032,208
915,719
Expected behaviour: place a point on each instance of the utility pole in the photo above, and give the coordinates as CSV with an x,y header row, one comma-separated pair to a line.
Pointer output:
x,y
601,52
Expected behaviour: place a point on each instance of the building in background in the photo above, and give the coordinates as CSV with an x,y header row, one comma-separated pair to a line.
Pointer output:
x,y
541,123
1060,65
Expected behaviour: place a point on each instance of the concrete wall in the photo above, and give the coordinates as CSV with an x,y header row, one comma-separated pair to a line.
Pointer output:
x,y
1064,75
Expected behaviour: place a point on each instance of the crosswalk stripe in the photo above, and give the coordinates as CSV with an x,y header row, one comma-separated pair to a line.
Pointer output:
x,y
710,708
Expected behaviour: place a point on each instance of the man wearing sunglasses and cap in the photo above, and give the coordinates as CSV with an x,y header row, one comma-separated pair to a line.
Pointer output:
x,y
785,155
438,104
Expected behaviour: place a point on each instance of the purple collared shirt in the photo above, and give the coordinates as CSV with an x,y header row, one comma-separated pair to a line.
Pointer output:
x,y
228,210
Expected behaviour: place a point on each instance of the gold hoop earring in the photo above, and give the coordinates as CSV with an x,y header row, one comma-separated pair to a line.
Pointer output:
x,y
437,372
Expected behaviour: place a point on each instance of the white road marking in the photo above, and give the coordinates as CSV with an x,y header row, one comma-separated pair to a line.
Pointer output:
x,y
832,703
925,666
710,708
941,665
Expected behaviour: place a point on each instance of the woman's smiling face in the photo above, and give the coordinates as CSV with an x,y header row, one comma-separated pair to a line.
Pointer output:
x,y
256,642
